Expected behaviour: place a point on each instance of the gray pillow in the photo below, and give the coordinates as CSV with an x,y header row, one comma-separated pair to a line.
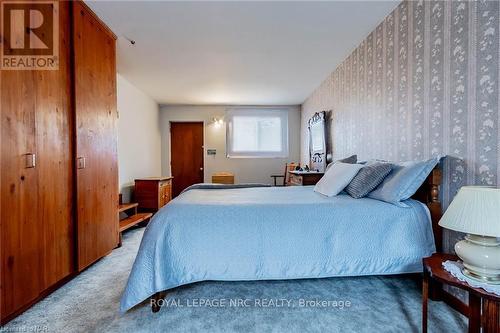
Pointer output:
x,y
350,160
367,179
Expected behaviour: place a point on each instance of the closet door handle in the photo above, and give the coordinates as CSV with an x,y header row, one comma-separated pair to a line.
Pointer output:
x,y
30,160
81,162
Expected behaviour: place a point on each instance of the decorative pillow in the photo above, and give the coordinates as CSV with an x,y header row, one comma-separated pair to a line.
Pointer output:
x,y
403,181
336,178
351,160
368,179
376,160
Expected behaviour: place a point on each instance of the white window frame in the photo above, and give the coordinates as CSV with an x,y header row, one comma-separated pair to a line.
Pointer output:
x,y
260,112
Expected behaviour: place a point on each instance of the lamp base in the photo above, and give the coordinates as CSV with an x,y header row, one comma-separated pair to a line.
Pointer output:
x,y
481,258
480,278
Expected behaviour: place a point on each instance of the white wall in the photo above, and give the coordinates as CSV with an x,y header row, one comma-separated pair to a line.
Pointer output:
x,y
139,145
251,170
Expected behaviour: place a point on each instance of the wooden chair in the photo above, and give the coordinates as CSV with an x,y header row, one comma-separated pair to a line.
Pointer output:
x,y
288,167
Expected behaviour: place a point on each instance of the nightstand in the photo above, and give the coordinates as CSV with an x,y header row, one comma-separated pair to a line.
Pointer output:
x,y
300,178
483,309
152,193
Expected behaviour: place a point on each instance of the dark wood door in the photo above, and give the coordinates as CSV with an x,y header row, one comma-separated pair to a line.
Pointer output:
x,y
186,154
36,224
96,147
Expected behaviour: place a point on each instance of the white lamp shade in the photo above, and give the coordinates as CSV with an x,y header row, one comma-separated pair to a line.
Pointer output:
x,y
474,210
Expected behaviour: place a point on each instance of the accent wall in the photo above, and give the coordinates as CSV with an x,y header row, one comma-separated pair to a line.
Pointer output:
x,y
423,83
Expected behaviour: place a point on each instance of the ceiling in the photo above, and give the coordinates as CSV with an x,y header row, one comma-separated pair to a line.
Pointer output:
x,y
238,53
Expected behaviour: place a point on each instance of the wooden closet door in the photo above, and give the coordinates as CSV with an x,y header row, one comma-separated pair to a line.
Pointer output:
x,y
20,223
96,150
54,138
37,248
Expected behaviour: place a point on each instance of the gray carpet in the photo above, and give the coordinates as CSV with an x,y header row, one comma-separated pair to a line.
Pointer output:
x,y
89,303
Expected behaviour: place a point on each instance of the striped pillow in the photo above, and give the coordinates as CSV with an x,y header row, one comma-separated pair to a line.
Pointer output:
x,y
367,179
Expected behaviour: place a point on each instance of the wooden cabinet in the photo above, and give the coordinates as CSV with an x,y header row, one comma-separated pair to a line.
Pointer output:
x,y
96,146
153,193
302,178
48,119
37,192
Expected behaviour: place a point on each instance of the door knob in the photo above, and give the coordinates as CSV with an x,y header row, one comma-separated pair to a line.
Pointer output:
x,y
30,160
80,163
201,169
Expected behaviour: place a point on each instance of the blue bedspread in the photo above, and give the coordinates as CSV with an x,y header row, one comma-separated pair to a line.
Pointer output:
x,y
275,233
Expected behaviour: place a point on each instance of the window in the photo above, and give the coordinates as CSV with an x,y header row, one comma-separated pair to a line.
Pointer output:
x,y
256,132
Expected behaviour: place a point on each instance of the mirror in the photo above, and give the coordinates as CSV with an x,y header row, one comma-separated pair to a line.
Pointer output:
x,y
317,142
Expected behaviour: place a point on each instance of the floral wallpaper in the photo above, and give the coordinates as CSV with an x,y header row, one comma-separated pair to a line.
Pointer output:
x,y
423,83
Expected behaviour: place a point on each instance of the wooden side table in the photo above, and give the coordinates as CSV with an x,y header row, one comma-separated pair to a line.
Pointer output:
x,y
483,309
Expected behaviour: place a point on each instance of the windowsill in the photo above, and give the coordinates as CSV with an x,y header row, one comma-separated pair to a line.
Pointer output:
x,y
256,156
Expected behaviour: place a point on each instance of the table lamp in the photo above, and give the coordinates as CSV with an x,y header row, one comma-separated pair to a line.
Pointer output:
x,y
475,210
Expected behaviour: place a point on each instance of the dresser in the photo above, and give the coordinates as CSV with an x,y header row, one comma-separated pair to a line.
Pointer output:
x,y
301,178
152,193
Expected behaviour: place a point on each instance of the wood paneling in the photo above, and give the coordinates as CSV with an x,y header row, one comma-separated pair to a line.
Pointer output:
x,y
186,146
96,116
37,249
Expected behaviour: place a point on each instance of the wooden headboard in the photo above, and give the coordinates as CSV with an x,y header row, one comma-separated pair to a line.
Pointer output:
x,y
428,193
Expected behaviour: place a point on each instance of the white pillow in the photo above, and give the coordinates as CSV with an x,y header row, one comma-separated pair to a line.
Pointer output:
x,y
336,178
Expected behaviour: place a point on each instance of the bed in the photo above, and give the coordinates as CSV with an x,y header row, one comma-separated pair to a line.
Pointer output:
x,y
280,233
